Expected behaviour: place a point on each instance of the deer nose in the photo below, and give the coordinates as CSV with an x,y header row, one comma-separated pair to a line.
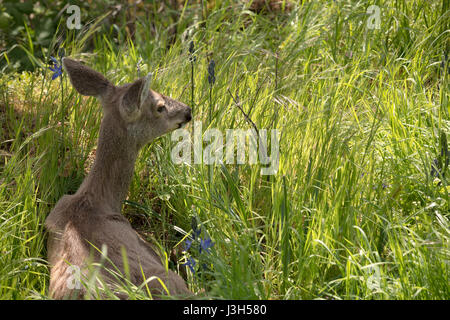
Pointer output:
x,y
188,115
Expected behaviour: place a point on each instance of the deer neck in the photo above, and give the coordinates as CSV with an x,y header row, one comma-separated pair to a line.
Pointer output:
x,y
110,177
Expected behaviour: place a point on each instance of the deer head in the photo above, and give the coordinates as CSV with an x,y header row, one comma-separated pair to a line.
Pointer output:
x,y
144,113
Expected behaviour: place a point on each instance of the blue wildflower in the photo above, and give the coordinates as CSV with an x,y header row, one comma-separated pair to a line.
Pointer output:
x,y
194,223
61,53
445,60
211,73
435,168
188,244
197,233
195,229
191,264
192,57
205,245
57,68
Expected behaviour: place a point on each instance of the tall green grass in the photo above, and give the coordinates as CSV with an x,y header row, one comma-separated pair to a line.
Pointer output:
x,y
355,210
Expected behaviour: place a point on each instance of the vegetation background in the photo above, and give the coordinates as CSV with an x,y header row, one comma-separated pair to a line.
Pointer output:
x,y
359,208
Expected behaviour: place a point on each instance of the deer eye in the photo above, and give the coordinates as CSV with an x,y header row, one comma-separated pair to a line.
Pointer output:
x,y
161,109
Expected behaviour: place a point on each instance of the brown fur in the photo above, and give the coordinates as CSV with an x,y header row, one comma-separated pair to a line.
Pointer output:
x,y
92,216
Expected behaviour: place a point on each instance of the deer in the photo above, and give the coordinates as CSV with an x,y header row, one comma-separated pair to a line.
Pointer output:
x,y
81,223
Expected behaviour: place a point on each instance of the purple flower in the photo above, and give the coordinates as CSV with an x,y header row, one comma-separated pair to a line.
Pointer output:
x,y
57,68
435,168
195,229
211,73
191,264
445,60
197,233
205,245
61,53
192,57
188,244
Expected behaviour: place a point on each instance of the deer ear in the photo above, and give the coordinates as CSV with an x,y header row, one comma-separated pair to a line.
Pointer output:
x,y
136,94
85,80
